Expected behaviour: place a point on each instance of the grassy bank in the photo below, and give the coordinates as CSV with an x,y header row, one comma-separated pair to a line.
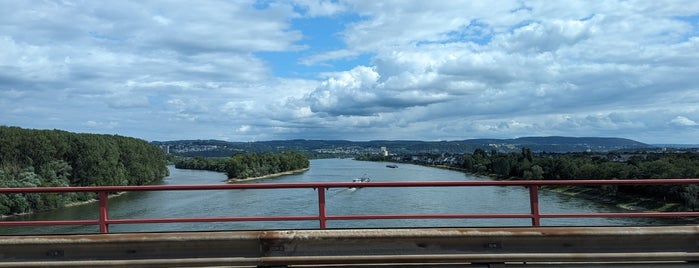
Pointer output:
x,y
234,180
622,201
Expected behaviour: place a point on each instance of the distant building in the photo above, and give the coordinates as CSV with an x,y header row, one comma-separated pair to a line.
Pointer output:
x,y
384,152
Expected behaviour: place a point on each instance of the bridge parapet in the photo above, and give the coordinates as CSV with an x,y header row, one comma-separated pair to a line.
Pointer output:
x,y
543,246
602,246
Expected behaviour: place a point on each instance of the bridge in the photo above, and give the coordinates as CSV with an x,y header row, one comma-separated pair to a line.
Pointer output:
x,y
533,246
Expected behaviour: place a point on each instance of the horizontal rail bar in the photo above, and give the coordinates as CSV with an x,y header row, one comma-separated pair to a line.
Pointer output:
x,y
621,215
186,187
214,219
429,216
358,217
49,223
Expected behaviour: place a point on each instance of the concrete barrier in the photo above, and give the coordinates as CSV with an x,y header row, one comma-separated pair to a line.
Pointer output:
x,y
678,245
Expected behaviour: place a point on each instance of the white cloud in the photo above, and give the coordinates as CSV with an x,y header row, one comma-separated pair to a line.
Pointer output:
x,y
321,7
436,70
683,121
549,63
550,36
238,108
394,24
244,128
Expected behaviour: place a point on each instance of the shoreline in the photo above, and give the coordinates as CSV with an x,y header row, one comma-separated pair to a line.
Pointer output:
x,y
626,202
80,203
66,205
292,172
621,201
229,180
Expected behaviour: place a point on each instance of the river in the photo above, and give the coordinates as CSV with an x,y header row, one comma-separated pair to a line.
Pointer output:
x,y
172,204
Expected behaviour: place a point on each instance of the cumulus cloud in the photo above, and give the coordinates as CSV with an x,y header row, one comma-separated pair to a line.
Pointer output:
x,y
683,121
359,92
595,62
548,36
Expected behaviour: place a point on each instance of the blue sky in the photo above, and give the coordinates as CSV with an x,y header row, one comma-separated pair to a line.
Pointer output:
x,y
354,70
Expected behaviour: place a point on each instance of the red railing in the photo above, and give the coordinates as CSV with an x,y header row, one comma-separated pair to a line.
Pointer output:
x,y
535,214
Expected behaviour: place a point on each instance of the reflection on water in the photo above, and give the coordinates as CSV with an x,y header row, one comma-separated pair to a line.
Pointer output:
x,y
303,202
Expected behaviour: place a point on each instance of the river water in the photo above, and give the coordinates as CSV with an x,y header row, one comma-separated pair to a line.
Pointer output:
x,y
297,202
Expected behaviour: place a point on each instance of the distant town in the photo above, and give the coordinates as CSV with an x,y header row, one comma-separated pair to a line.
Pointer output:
x,y
622,148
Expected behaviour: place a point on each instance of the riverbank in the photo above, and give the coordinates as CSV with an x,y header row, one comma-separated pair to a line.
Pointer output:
x,y
292,172
631,203
622,201
79,203
69,204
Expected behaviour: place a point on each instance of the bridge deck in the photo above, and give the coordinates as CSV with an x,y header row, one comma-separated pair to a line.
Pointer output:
x,y
516,246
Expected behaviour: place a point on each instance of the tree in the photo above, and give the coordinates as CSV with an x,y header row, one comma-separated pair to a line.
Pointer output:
x,y
38,158
502,164
535,173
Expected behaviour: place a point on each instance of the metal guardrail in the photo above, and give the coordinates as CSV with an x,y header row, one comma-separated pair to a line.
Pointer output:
x,y
322,217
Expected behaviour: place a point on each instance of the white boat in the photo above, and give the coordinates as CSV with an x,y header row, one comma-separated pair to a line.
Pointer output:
x,y
360,180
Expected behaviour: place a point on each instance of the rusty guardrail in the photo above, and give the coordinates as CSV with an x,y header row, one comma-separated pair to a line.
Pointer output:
x,y
322,217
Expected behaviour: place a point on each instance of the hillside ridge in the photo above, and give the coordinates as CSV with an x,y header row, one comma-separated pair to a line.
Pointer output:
x,y
219,148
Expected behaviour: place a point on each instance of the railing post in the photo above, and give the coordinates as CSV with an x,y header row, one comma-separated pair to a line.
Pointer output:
x,y
321,207
534,204
104,210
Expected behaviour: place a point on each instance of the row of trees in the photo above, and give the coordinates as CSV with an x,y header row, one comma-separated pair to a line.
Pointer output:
x,y
503,165
247,165
574,166
39,158
577,166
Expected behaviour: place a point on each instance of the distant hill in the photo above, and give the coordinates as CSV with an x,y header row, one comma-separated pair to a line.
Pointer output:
x,y
583,140
321,148
680,146
574,144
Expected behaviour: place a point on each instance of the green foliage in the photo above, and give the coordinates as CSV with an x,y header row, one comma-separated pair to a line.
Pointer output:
x,y
40,158
247,165
578,166
202,163
372,157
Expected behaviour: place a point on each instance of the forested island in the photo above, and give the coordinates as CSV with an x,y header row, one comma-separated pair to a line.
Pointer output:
x,y
41,158
526,165
244,166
